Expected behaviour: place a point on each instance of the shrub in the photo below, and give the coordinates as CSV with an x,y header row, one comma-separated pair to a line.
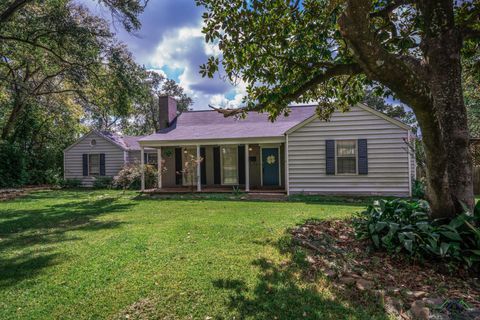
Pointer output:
x,y
103,182
418,189
130,177
13,166
70,183
405,226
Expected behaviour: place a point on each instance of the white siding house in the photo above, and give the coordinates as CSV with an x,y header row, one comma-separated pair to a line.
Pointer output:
x,y
359,152
94,144
388,158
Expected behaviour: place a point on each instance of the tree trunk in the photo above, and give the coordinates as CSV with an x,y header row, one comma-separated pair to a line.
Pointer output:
x,y
8,127
441,46
432,87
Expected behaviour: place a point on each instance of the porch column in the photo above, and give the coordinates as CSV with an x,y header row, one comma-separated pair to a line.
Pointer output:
x,y
247,169
199,167
142,166
159,167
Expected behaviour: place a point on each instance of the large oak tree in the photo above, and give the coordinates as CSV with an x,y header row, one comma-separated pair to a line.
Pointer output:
x,y
329,50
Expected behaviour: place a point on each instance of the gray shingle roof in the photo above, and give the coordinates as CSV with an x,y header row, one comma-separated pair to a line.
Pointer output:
x,y
125,142
206,125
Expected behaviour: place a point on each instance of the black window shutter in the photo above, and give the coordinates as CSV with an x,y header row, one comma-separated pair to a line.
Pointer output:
x,y
178,166
203,166
85,164
216,166
145,159
330,156
362,156
241,164
102,164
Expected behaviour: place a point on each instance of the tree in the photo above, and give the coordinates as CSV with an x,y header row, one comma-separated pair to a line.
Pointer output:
x,y
329,50
145,115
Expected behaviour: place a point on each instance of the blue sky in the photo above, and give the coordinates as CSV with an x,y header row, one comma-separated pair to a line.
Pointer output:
x,y
170,42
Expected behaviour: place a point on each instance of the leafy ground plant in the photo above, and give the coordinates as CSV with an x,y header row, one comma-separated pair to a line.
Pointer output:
x,y
405,226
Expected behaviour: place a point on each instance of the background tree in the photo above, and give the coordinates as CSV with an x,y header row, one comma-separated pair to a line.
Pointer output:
x,y
329,50
145,115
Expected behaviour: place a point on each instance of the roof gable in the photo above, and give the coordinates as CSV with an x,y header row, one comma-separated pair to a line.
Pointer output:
x,y
361,106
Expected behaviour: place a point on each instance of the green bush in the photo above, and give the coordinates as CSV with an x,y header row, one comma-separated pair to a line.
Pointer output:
x,y
103,182
403,226
418,189
130,177
13,166
71,183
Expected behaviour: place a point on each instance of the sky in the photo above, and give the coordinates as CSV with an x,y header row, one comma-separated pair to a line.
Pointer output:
x,y
170,42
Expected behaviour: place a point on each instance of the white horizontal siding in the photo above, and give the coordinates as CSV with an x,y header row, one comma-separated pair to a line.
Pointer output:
x,y
387,156
73,168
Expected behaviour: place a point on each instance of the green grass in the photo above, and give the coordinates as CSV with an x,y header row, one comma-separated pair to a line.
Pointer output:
x,y
103,254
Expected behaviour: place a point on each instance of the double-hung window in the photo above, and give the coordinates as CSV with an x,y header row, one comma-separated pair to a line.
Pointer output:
x,y
94,164
346,156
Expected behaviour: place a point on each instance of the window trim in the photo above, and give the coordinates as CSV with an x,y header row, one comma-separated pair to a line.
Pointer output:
x,y
147,158
89,166
221,165
356,158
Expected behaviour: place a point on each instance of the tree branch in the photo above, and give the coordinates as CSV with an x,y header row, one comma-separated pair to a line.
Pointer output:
x,y
318,78
11,9
385,11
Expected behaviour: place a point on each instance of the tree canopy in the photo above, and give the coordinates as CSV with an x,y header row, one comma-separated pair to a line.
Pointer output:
x,y
331,50
62,71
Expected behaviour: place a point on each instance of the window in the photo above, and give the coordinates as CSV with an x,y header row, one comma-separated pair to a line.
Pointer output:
x,y
94,164
93,142
152,159
229,164
346,156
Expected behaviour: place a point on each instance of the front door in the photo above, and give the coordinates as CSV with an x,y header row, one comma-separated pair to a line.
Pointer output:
x,y
270,167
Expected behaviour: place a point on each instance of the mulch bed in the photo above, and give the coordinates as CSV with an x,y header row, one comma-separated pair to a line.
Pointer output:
x,y
8,194
407,288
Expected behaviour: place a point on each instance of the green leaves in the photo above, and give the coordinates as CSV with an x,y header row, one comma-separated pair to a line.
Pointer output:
x,y
405,226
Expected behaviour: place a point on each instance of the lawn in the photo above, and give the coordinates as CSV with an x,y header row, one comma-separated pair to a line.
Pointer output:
x,y
108,255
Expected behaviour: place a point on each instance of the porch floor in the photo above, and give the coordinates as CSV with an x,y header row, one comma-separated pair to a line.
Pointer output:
x,y
173,190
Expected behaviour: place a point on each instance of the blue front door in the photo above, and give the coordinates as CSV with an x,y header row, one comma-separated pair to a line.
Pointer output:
x,y
270,166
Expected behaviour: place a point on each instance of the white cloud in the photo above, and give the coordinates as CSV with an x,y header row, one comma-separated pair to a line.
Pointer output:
x,y
185,49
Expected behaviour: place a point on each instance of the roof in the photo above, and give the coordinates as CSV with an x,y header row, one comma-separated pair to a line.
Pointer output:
x,y
211,125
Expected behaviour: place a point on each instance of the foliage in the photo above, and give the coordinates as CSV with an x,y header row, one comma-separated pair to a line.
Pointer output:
x,y
418,189
329,51
130,176
103,182
189,171
377,102
405,226
13,165
71,183
144,117
62,72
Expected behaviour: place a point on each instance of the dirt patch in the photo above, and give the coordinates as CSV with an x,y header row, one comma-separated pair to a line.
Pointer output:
x,y
8,194
408,289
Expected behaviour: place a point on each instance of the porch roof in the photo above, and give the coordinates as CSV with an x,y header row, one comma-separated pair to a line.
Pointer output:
x,y
211,125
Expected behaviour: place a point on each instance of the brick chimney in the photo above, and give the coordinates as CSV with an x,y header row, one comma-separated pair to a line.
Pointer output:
x,y
167,107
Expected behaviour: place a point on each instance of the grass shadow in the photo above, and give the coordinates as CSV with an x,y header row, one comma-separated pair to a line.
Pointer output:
x,y
287,290
314,200
24,231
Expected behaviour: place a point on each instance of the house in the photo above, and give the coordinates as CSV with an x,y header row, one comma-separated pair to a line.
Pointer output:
x,y
360,152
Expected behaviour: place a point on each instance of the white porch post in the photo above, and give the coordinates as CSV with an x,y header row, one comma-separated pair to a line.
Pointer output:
x,y
142,166
159,167
247,169
199,182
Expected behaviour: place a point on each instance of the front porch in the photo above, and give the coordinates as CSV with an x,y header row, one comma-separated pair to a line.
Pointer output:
x,y
216,167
